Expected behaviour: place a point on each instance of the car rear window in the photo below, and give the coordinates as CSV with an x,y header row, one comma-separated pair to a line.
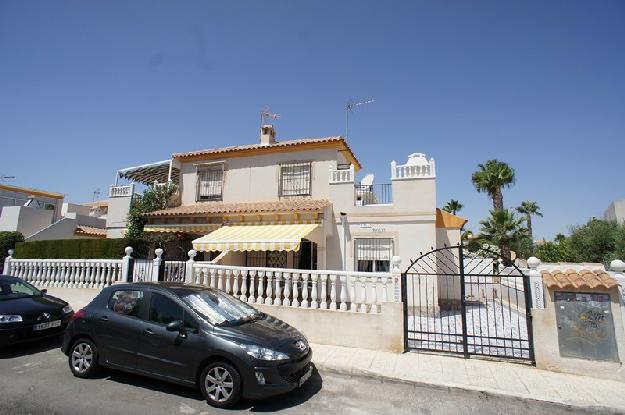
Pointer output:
x,y
126,302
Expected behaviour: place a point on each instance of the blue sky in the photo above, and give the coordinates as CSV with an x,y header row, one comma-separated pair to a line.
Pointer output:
x,y
89,87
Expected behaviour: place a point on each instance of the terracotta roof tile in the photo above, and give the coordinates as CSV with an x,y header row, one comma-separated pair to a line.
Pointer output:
x,y
578,279
280,145
290,205
90,231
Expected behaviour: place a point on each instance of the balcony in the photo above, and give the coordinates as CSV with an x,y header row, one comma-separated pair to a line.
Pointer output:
x,y
373,194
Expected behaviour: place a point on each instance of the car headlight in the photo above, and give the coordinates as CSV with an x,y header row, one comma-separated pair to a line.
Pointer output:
x,y
10,318
67,309
263,353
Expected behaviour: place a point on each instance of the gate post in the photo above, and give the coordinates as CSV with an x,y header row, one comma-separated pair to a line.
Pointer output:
x,y
188,269
463,303
156,265
127,265
7,263
535,284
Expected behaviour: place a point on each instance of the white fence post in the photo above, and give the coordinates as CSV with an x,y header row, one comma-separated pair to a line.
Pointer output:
x,y
396,275
156,263
7,263
188,270
536,283
126,261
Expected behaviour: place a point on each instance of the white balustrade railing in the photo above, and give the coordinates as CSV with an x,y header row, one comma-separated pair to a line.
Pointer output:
x,y
422,169
342,175
361,292
69,273
121,191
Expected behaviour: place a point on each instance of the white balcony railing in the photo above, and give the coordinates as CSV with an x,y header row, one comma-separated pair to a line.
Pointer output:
x,y
417,167
121,191
361,292
342,175
70,273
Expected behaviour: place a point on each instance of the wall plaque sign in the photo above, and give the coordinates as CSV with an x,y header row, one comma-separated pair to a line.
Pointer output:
x,y
585,326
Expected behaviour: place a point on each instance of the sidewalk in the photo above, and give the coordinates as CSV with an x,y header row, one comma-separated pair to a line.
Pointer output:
x,y
490,377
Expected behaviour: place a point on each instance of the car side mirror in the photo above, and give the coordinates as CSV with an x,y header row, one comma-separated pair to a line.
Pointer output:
x,y
44,291
176,325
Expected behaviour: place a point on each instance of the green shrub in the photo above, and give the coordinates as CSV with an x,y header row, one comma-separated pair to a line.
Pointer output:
x,y
8,241
82,249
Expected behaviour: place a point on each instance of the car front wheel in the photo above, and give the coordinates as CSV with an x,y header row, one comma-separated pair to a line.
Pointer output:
x,y
221,384
83,358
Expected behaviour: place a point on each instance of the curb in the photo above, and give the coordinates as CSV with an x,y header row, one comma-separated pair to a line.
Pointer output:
x,y
588,408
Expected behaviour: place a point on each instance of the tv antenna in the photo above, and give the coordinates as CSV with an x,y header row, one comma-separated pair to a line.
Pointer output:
x,y
349,107
4,178
266,114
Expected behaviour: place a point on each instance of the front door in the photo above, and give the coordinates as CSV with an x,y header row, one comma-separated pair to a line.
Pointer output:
x,y
166,353
118,327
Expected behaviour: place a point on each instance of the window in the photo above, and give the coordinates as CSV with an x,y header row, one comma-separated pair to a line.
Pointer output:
x,y
164,310
128,303
210,182
373,254
295,179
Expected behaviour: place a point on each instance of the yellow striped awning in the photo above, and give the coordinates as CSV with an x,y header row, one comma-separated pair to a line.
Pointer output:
x,y
181,227
255,238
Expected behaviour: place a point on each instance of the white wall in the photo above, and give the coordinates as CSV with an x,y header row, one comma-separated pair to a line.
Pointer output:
x,y
117,217
25,220
256,178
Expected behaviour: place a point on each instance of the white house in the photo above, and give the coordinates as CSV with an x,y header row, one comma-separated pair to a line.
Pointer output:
x,y
293,204
41,215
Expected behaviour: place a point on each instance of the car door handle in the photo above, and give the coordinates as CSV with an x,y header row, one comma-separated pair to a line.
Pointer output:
x,y
148,332
104,319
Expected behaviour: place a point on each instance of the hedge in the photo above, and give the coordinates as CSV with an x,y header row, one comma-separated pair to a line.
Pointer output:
x,y
81,249
8,241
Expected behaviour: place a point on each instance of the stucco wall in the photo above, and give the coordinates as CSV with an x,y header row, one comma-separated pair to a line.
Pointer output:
x,y
256,178
25,220
383,331
547,352
117,217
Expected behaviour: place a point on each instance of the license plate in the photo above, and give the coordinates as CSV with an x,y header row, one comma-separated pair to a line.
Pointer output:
x,y
306,376
48,325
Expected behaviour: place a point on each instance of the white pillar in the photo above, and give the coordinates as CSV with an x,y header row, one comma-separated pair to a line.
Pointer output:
x,y
126,260
156,263
7,262
537,290
188,270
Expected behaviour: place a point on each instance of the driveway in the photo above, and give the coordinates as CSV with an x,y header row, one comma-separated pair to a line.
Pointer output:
x,y
35,379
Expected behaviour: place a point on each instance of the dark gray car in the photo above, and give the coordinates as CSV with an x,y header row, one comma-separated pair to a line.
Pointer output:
x,y
190,335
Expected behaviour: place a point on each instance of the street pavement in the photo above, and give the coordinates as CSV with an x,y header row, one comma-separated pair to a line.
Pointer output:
x,y
35,379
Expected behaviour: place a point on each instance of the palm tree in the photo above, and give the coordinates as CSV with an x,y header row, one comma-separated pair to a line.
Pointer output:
x,y
529,208
491,177
453,206
504,229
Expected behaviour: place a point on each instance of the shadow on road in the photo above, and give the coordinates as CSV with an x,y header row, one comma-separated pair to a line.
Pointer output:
x,y
30,348
291,399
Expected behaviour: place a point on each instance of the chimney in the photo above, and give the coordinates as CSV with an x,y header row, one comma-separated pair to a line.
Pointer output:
x,y
267,135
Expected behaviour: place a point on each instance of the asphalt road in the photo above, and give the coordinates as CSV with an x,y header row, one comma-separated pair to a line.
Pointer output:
x,y
35,379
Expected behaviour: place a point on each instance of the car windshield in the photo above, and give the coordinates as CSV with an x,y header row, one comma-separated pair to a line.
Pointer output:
x,y
220,308
10,289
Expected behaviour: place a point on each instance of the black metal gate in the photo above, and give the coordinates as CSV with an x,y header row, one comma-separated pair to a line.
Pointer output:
x,y
459,302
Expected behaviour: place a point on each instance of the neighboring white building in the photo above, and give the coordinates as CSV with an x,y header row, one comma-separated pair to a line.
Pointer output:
x,y
41,215
616,211
294,204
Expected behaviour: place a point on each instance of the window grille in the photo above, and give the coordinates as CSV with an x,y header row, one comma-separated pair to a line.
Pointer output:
x,y
295,179
373,254
210,183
